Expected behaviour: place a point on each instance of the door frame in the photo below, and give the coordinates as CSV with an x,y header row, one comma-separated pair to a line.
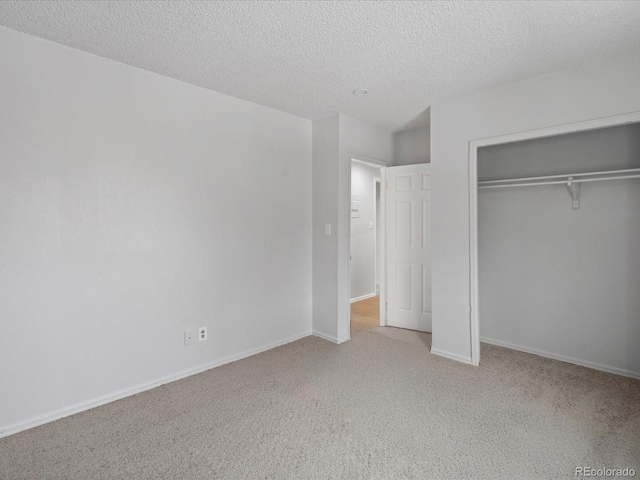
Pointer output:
x,y
370,162
376,271
474,145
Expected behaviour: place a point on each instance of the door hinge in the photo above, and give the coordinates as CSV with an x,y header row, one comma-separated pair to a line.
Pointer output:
x,y
386,306
386,185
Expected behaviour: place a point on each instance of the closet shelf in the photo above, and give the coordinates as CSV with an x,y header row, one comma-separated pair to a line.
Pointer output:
x,y
572,181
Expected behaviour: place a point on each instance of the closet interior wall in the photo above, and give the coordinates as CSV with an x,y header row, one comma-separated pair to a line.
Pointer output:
x,y
556,281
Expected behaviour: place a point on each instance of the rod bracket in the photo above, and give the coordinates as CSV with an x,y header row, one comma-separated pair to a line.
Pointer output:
x,y
574,191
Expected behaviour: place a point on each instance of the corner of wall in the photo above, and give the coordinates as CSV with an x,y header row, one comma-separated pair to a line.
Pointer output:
x,y
325,156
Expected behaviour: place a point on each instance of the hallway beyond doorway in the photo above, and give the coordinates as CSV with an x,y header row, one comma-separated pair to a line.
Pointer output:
x,y
365,315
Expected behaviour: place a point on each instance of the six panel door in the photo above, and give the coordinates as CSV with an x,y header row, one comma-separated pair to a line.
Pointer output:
x,y
408,238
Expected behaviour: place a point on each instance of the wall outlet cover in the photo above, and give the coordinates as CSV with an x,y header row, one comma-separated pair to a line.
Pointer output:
x,y
202,334
189,337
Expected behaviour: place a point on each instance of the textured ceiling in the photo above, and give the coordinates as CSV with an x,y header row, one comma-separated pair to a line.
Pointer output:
x,y
306,58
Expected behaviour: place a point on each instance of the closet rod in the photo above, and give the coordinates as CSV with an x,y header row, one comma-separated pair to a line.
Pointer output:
x,y
567,179
575,176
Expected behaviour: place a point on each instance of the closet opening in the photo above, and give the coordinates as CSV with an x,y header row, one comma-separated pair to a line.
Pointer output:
x,y
555,243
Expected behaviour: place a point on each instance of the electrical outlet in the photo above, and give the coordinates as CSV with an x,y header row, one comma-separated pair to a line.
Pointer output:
x,y
202,334
189,337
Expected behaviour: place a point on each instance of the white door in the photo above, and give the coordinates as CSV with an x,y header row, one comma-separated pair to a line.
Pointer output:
x,y
408,208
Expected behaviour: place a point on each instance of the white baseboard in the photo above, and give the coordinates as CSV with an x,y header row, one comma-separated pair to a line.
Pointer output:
x,y
451,356
363,297
5,431
562,358
324,336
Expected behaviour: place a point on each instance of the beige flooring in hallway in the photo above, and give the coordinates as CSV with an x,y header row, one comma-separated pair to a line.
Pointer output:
x,y
365,315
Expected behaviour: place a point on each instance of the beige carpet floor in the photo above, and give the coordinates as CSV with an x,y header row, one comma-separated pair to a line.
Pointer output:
x,y
377,407
365,315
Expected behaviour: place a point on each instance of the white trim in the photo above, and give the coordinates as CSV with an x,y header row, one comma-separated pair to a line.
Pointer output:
x,y
383,247
327,337
451,356
474,316
563,358
363,297
5,431
379,248
595,124
368,161
376,273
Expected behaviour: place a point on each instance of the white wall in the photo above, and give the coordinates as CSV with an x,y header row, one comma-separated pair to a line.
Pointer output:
x,y
133,207
326,152
556,280
332,204
413,146
591,91
363,231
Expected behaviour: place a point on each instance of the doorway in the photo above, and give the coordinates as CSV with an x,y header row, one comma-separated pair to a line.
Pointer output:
x,y
389,257
365,246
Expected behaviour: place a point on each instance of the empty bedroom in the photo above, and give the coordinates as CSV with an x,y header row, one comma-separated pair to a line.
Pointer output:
x,y
319,240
